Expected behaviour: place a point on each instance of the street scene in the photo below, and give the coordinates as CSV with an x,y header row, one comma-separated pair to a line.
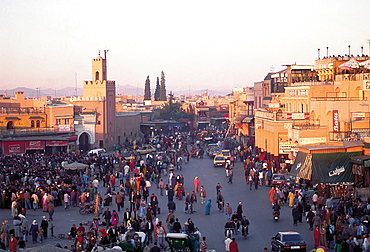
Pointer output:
x,y
167,126
256,207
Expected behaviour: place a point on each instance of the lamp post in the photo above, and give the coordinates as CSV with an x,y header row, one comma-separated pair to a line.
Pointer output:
x,y
368,116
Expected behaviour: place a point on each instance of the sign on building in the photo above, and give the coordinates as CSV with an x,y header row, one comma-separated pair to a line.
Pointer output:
x,y
336,125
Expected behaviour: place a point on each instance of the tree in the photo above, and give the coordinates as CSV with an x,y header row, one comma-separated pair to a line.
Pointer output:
x,y
157,91
172,110
147,93
162,94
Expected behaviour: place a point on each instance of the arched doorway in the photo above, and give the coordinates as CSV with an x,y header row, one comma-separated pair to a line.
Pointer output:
x,y
10,125
84,142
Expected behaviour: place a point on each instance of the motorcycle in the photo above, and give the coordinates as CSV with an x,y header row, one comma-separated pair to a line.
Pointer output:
x,y
237,226
245,231
220,205
87,208
229,232
276,215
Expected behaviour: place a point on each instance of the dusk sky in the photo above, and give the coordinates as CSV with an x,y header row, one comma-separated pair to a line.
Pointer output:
x,y
198,44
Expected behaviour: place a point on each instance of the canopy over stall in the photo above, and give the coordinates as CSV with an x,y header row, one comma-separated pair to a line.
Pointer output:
x,y
75,166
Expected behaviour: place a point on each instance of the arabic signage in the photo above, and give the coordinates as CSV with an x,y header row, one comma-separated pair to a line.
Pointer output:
x,y
56,143
11,148
336,125
358,114
64,128
311,140
34,145
337,171
285,147
298,116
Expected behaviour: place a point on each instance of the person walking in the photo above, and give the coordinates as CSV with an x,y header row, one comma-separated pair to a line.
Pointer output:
x,y
227,243
120,200
13,242
291,198
316,236
196,184
202,195
107,216
233,246
34,230
228,211
203,245
44,225
208,207
310,216
295,214
239,210
161,233
50,210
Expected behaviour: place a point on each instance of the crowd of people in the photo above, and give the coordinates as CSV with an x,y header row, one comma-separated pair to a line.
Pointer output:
x,y
35,182
339,224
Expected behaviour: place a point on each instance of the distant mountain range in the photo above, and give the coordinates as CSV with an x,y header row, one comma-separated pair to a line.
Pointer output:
x,y
120,90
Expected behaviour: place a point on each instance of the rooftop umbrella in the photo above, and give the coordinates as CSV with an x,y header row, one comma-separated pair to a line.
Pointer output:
x,y
349,65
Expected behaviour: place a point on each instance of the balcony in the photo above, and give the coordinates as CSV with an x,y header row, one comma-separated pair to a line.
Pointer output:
x,y
338,98
354,135
39,110
27,131
312,83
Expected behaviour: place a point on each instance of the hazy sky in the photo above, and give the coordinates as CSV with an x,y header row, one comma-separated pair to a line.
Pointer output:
x,y
198,44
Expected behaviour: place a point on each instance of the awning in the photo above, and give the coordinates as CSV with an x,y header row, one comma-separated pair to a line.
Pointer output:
x,y
36,117
12,118
296,167
75,166
332,167
267,98
247,119
239,119
361,160
324,167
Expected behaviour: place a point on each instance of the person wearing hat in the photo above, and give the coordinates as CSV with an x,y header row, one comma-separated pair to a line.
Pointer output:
x,y
239,210
34,231
44,225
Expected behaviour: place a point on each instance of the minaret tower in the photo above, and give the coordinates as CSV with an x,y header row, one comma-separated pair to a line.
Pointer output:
x,y
100,89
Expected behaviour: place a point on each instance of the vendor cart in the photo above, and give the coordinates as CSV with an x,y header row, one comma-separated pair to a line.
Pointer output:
x,y
178,242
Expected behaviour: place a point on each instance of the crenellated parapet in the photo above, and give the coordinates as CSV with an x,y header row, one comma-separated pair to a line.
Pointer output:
x,y
87,98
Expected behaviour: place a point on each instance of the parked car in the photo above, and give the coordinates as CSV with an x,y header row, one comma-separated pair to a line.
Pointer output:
x,y
219,160
288,241
145,149
278,179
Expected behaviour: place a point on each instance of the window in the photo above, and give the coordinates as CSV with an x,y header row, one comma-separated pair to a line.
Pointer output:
x,y
66,121
96,75
59,122
32,124
302,92
291,92
38,124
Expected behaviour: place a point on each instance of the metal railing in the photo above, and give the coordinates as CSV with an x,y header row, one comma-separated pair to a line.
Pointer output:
x,y
28,131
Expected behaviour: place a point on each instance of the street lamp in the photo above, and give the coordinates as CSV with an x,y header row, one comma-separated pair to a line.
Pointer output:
x,y
368,116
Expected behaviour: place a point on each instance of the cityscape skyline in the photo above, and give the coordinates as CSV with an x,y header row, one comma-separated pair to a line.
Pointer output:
x,y
201,45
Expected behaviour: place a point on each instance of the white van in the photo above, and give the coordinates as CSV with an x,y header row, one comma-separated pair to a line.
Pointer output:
x,y
96,151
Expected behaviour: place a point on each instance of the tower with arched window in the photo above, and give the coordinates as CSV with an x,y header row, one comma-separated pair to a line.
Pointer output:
x,y
99,96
